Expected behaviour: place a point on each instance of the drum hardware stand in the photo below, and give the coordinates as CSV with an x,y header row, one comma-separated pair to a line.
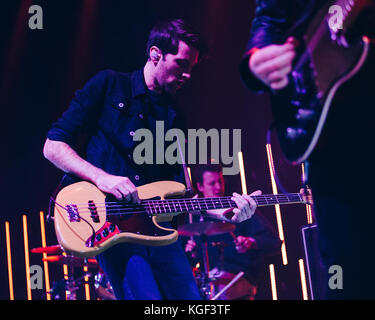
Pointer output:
x,y
70,285
207,287
236,278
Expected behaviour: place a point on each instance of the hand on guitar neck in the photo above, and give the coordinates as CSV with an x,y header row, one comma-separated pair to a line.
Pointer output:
x,y
272,64
246,207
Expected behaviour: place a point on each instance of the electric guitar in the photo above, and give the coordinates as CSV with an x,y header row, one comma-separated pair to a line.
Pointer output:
x,y
328,55
88,222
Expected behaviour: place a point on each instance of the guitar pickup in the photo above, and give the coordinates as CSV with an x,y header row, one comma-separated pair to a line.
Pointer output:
x,y
93,211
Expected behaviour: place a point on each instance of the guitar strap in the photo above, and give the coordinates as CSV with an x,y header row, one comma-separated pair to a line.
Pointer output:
x,y
309,8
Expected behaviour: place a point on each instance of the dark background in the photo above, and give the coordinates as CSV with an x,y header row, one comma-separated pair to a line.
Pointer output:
x,y
41,69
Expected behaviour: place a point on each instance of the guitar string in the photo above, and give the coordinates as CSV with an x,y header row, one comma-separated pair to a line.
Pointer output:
x,y
259,198
176,206
134,208
164,206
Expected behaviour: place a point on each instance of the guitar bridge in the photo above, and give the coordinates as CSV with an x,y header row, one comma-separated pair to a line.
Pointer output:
x,y
73,213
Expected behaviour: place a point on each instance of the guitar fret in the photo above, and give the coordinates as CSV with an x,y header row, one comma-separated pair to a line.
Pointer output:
x,y
200,204
163,206
204,204
189,208
221,204
217,204
157,207
184,204
174,207
167,207
148,208
196,204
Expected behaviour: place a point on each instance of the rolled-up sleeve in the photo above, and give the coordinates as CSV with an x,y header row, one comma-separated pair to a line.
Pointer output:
x,y
82,111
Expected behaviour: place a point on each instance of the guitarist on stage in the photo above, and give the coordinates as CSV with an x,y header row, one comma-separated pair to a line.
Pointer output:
x,y
110,108
340,173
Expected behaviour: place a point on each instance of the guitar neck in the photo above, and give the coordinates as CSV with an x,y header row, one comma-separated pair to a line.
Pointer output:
x,y
175,206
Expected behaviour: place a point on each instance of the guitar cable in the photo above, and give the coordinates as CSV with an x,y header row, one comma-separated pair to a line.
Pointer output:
x,y
52,200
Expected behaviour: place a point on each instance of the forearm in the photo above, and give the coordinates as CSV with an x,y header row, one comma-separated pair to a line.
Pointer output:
x,y
66,159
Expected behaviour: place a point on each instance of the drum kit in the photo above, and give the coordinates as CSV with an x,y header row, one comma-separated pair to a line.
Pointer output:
x,y
69,286
205,277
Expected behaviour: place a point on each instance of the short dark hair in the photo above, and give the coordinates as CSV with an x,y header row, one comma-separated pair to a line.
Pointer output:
x,y
199,171
166,36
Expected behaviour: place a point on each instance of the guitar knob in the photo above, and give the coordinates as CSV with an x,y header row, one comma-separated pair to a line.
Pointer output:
x,y
295,133
304,114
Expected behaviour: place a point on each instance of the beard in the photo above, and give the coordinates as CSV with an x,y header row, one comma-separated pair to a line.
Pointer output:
x,y
171,87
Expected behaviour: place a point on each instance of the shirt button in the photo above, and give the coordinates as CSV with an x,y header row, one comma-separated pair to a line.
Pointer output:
x,y
140,116
121,105
132,133
136,177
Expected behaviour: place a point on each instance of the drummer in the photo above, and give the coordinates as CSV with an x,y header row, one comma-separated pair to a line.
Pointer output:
x,y
242,250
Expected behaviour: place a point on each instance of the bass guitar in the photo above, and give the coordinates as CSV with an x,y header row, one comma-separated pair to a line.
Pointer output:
x,y
88,222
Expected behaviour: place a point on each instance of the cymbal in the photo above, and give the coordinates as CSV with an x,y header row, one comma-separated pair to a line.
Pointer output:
x,y
208,228
72,261
56,249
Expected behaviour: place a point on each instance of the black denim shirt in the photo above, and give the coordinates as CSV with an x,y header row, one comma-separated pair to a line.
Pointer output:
x,y
109,109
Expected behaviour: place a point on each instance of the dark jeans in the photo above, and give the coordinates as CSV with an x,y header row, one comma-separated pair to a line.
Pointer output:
x,y
346,240
139,272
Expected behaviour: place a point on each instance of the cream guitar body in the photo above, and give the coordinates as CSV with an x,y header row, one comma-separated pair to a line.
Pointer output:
x,y
82,213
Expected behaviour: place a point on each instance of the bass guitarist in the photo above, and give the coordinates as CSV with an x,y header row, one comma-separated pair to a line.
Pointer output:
x,y
111,107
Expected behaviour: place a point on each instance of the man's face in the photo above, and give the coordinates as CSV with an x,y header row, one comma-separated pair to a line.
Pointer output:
x,y
212,184
172,71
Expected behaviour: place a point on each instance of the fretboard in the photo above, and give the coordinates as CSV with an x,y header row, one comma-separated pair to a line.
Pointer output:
x,y
203,204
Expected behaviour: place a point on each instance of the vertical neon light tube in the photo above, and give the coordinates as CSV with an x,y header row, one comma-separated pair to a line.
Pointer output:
x,y
303,279
9,259
277,207
27,257
45,263
242,173
66,276
273,281
189,172
87,286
